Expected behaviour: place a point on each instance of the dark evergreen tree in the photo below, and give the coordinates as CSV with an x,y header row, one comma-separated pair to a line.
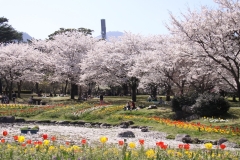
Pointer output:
x,y
7,32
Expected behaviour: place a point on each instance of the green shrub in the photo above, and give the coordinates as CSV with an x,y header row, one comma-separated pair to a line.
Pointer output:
x,y
210,104
184,100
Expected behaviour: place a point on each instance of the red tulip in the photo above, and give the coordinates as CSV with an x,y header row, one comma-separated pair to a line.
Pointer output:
x,y
45,136
67,143
164,146
180,146
5,133
39,142
222,146
29,141
24,144
84,141
186,146
15,138
121,143
35,142
141,141
53,138
159,144
2,140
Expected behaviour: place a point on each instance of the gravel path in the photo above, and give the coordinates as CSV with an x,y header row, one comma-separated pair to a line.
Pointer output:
x,y
75,134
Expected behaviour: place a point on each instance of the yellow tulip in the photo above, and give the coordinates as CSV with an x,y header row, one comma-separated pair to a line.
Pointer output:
x,y
21,139
46,142
132,145
150,153
208,145
103,139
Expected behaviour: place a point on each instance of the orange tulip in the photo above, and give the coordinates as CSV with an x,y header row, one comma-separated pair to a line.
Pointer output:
x,y
5,133
141,141
121,143
67,143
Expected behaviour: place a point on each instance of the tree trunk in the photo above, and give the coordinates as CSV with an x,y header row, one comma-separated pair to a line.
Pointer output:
x,y
125,89
154,91
7,86
0,86
65,88
168,93
72,90
19,85
10,90
134,84
37,88
80,92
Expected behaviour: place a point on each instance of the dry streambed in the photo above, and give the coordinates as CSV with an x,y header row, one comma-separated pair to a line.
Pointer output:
x,y
75,134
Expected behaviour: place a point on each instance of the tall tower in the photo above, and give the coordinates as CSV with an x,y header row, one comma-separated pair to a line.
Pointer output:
x,y
103,26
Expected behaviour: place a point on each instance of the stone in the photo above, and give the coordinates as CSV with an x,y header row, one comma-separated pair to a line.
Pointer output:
x,y
7,119
105,125
222,140
43,121
130,122
231,144
81,122
134,126
123,126
19,120
87,125
127,134
179,137
187,140
144,129
63,122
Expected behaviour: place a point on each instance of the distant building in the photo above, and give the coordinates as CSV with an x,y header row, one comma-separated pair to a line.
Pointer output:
x,y
103,29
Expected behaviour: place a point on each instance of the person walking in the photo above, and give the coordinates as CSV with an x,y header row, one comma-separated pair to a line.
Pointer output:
x,y
101,99
14,95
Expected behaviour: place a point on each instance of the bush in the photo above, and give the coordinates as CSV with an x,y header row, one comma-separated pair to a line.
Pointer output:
x,y
210,104
184,100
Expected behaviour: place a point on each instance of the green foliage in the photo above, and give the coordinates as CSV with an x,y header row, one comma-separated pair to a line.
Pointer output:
x,y
85,31
170,136
184,100
211,104
7,32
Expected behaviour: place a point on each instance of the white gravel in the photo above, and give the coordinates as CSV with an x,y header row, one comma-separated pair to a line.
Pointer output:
x,y
75,134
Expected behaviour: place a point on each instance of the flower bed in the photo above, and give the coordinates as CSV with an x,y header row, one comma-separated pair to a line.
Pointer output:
x,y
47,147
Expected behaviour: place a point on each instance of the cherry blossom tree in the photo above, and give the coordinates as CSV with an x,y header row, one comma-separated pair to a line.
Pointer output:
x,y
20,62
216,32
68,51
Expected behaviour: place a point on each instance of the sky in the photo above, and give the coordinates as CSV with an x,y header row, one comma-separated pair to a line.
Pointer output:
x,y
40,18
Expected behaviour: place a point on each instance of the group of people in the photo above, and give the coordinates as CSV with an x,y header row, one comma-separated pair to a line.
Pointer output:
x,y
151,98
130,106
5,98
